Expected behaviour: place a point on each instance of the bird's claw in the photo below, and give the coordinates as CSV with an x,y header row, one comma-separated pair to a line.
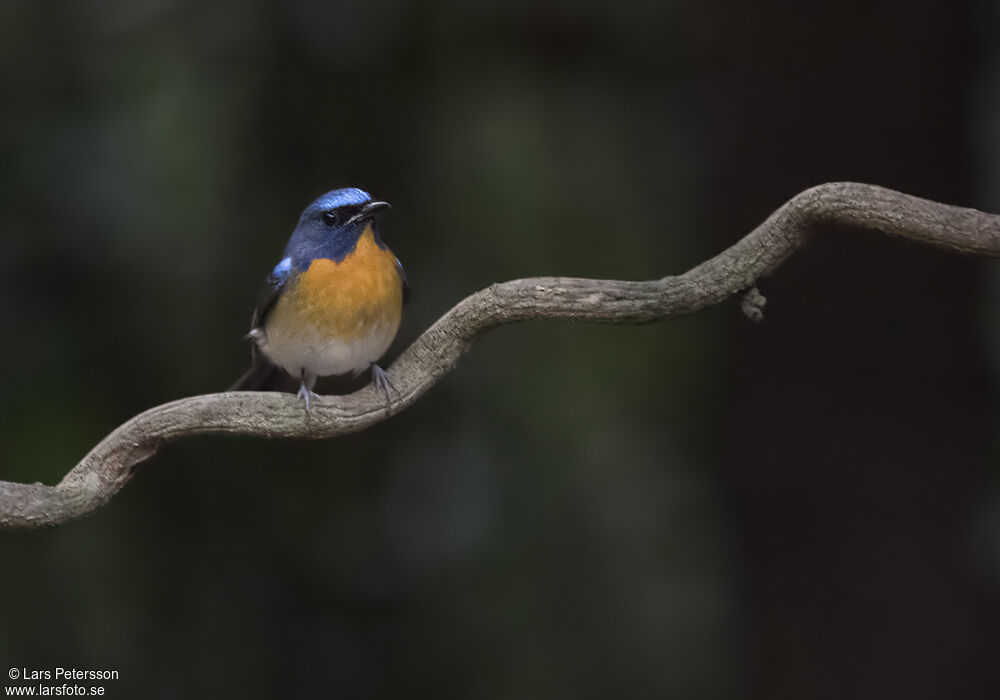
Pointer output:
x,y
382,382
305,395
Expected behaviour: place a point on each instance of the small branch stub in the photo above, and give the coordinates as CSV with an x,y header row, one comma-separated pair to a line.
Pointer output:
x,y
110,464
752,304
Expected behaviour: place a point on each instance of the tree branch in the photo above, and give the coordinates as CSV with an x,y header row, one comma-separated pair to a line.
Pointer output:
x,y
108,467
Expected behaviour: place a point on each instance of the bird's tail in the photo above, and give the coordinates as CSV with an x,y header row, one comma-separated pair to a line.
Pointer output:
x,y
259,376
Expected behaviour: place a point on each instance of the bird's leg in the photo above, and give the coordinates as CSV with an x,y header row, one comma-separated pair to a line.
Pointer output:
x,y
306,388
381,382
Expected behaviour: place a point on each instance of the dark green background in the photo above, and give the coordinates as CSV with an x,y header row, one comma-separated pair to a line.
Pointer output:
x,y
702,508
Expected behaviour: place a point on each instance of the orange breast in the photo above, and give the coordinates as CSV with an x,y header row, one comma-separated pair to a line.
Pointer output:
x,y
346,300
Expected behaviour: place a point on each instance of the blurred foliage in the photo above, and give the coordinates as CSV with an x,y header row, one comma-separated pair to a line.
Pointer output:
x,y
548,522
536,526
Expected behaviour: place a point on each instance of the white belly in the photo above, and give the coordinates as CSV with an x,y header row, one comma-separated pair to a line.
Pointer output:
x,y
312,351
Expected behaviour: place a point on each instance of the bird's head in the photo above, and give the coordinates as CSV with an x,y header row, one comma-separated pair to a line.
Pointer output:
x,y
331,226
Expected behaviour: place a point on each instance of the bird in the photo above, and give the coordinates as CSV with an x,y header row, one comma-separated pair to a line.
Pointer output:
x,y
333,303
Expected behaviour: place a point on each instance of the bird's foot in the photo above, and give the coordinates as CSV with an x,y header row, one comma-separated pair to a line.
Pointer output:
x,y
382,382
305,394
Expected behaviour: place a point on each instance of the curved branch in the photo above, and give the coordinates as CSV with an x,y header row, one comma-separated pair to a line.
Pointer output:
x,y
103,472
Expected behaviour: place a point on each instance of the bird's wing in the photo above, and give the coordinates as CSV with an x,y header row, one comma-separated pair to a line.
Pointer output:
x,y
273,286
261,371
405,282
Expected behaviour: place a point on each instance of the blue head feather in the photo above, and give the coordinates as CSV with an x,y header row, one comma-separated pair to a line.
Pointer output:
x,y
335,199
323,230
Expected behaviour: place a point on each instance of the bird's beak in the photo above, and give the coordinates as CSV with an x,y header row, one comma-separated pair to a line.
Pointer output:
x,y
369,210
373,207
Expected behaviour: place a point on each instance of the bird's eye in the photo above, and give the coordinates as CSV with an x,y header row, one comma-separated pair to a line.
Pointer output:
x,y
330,218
